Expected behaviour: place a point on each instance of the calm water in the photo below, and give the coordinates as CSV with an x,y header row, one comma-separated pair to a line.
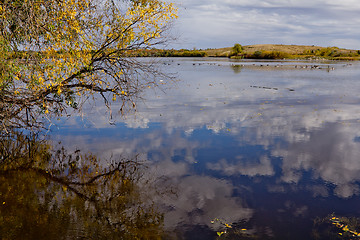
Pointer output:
x,y
268,148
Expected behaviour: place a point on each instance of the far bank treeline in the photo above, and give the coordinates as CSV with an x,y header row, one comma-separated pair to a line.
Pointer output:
x,y
263,51
260,51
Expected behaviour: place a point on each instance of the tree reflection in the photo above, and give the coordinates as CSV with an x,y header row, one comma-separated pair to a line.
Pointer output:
x,y
49,193
236,68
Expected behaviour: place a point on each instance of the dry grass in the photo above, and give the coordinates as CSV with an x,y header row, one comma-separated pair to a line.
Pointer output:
x,y
289,49
219,52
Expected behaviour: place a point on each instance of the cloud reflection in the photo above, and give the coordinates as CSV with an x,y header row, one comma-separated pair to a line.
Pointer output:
x,y
198,199
263,168
311,129
201,199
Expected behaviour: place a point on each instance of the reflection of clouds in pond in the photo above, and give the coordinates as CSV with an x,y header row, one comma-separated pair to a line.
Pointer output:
x,y
347,190
262,168
306,128
137,123
315,140
331,154
200,199
195,199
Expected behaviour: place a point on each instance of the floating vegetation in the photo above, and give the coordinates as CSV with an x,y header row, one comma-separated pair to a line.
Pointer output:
x,y
222,224
347,226
230,231
335,227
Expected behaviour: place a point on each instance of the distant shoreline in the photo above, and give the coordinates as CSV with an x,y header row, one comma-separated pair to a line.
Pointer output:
x,y
259,51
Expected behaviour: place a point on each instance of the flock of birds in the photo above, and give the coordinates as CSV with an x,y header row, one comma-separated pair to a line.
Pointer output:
x,y
327,67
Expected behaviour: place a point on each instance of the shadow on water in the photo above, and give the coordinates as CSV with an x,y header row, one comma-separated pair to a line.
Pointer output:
x,y
49,193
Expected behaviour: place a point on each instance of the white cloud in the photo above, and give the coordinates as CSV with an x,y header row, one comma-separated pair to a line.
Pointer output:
x,y
217,23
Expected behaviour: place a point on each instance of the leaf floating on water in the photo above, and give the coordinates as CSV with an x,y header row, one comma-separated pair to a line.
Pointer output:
x,y
228,226
345,225
220,233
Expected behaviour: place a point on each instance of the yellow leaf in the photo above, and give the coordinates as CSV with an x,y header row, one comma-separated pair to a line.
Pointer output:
x,y
227,225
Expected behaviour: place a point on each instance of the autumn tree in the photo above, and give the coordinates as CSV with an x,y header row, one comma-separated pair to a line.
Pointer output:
x,y
56,53
236,49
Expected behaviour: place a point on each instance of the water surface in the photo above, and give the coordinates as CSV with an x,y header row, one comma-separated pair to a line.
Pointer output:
x,y
268,148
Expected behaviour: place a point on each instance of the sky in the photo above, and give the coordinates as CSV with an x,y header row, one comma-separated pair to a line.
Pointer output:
x,y
222,23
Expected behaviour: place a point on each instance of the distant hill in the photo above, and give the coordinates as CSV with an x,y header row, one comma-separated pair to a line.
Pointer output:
x,y
259,51
288,51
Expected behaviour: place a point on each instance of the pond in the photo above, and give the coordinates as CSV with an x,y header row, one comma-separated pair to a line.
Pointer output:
x,y
232,150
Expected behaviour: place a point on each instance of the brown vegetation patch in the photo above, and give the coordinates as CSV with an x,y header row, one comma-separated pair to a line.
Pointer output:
x,y
290,51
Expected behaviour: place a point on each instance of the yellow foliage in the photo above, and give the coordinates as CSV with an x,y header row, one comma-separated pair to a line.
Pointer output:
x,y
68,44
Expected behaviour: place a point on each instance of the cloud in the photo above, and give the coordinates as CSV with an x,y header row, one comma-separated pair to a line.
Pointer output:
x,y
218,23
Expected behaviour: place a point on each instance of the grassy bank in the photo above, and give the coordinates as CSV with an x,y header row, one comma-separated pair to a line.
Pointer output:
x,y
168,53
277,51
260,51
